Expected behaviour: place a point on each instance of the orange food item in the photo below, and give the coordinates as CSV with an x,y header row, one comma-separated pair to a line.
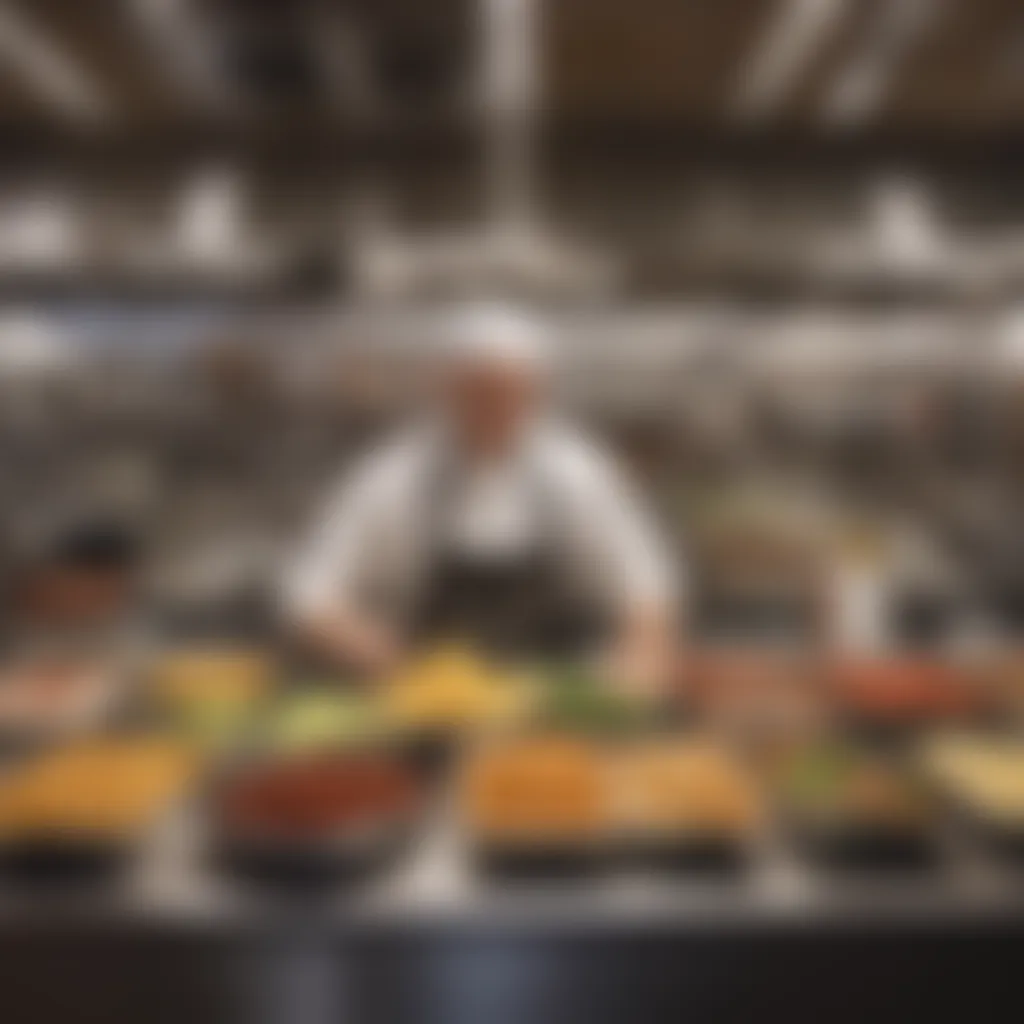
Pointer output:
x,y
538,787
694,786
97,787
224,676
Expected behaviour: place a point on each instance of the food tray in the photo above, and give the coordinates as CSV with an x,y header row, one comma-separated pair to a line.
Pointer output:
x,y
765,685
1004,841
538,807
83,811
889,697
66,860
848,806
974,775
430,753
344,853
863,846
540,859
688,853
91,696
342,859
685,802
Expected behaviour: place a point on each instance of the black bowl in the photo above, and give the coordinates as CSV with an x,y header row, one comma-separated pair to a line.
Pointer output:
x,y
706,854
63,861
861,846
309,863
1002,840
541,860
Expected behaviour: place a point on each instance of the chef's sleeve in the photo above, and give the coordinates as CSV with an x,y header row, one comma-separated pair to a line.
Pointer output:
x,y
336,562
624,557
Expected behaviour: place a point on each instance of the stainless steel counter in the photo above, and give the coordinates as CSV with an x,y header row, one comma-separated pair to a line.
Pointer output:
x,y
430,940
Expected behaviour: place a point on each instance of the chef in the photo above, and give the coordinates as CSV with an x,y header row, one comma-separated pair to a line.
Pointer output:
x,y
489,521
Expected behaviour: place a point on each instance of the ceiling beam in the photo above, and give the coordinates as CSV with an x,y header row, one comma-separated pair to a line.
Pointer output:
x,y
783,53
51,73
860,87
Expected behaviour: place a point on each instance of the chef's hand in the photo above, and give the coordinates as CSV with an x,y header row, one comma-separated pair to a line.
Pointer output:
x,y
379,650
358,641
636,671
640,663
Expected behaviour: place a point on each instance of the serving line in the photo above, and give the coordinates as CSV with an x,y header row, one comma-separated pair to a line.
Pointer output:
x,y
431,941
171,884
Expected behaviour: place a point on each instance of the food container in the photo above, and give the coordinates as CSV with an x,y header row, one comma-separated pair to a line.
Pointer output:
x,y
538,806
314,819
753,690
893,694
211,694
224,674
83,810
575,701
449,696
52,696
848,808
686,804
84,577
454,688
1002,676
324,717
983,778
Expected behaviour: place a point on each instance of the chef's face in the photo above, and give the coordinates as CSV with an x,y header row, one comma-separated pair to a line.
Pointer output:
x,y
490,403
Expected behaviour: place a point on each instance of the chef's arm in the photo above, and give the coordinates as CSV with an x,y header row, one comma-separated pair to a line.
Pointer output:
x,y
350,638
336,564
637,575
644,648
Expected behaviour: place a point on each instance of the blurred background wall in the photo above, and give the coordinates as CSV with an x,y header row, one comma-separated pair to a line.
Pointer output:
x,y
780,242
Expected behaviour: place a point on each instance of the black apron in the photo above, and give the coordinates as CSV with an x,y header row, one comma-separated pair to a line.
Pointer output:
x,y
522,606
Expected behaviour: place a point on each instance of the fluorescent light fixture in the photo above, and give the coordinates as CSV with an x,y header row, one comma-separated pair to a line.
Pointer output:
x,y
40,232
175,38
30,346
906,233
783,52
860,87
510,65
49,71
210,216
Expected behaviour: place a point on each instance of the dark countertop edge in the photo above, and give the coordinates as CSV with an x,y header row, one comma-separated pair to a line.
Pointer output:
x,y
281,923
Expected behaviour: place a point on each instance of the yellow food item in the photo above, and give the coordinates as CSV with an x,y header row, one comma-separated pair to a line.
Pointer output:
x,y
539,787
218,676
694,786
98,788
452,689
986,773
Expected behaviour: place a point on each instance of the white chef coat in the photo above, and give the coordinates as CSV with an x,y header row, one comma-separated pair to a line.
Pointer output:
x,y
374,535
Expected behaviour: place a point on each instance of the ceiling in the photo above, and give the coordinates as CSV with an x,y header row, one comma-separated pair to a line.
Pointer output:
x,y
328,66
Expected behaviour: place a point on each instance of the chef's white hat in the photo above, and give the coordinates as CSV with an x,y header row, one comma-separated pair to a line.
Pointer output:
x,y
499,335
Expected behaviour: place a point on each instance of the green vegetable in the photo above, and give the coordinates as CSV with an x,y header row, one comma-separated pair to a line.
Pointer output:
x,y
322,719
211,724
817,775
576,700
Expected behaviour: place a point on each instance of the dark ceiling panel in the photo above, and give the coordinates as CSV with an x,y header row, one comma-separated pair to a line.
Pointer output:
x,y
103,39
410,50
960,73
646,59
667,63
670,61
802,105
20,105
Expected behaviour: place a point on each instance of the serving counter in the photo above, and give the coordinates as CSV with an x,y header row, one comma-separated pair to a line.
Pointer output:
x,y
432,941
